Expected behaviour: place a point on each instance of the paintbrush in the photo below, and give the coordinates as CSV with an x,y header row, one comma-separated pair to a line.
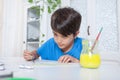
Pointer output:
x,y
96,39
33,58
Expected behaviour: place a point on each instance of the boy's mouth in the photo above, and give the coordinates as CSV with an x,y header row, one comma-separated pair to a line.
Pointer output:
x,y
60,45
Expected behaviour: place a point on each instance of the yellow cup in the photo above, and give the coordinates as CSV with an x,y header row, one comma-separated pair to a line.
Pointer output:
x,y
90,60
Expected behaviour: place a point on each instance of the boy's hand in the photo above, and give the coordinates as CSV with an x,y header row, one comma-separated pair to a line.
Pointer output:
x,y
67,59
28,55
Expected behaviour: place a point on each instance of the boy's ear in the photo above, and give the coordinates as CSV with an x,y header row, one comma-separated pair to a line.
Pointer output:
x,y
76,34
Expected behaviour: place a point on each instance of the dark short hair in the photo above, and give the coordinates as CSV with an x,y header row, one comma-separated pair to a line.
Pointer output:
x,y
66,21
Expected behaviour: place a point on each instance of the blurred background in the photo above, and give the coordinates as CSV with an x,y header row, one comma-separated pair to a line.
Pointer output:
x,y
22,28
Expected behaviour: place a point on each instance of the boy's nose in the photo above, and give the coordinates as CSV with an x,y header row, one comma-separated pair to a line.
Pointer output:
x,y
59,40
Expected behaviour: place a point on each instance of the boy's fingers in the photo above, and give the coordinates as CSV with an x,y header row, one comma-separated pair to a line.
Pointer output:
x,y
60,59
28,57
26,51
26,54
65,59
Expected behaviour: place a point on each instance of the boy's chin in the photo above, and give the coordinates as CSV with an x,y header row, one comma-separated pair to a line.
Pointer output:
x,y
61,47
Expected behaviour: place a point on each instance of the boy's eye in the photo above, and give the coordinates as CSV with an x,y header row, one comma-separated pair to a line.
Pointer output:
x,y
64,37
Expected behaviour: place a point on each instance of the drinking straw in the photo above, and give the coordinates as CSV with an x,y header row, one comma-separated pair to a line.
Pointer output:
x,y
96,38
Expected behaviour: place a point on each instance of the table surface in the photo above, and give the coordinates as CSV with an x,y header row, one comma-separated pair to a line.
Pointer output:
x,y
52,70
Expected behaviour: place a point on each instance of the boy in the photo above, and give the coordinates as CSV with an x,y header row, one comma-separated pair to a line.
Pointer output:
x,y
65,47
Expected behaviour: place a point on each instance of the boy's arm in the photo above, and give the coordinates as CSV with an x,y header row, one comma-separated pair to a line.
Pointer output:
x,y
30,55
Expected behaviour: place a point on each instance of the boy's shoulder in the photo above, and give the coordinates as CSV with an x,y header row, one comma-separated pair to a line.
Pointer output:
x,y
79,39
51,40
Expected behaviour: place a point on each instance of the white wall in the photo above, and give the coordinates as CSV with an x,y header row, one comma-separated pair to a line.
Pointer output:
x,y
1,25
118,13
12,28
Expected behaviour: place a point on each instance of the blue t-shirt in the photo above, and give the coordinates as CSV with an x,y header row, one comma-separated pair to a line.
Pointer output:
x,y
50,50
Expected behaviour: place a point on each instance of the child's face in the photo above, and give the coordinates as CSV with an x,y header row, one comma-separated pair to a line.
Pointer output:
x,y
65,43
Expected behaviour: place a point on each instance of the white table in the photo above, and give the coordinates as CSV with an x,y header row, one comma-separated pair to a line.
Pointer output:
x,y
50,70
